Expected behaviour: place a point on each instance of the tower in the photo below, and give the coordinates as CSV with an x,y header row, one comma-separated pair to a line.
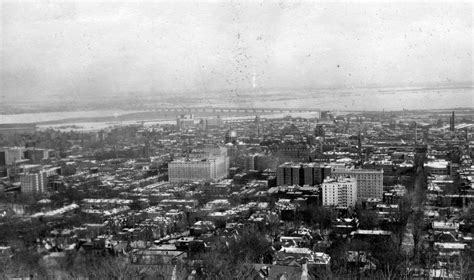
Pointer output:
x,y
257,121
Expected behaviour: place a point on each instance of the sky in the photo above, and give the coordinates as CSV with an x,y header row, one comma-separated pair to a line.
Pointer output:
x,y
87,49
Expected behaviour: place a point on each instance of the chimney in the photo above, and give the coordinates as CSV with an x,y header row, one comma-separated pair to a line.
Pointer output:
x,y
451,122
416,132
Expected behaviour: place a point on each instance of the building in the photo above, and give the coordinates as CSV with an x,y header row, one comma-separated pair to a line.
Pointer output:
x,y
325,114
158,255
369,182
319,131
301,174
437,167
249,162
215,150
289,174
291,255
373,236
220,189
258,162
341,192
314,173
284,152
36,155
231,137
104,203
34,182
209,162
211,123
185,121
10,155
187,170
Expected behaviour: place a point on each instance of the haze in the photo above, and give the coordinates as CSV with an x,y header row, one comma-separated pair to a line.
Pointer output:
x,y
55,51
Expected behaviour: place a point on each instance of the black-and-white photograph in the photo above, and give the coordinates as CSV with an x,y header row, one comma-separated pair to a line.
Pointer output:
x,y
234,140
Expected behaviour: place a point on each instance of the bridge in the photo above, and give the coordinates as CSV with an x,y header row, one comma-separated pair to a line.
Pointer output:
x,y
233,110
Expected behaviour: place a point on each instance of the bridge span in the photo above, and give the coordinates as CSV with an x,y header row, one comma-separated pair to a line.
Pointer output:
x,y
232,110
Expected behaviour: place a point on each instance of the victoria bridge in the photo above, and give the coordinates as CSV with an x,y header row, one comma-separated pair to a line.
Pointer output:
x,y
233,110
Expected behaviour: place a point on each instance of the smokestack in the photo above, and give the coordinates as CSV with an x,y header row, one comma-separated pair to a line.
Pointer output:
x,y
451,122
416,132
359,148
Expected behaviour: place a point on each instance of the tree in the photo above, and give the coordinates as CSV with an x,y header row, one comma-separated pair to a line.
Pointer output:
x,y
23,264
367,219
231,257
78,264
321,216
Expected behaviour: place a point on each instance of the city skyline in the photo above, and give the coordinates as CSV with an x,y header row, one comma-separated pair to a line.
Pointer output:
x,y
236,140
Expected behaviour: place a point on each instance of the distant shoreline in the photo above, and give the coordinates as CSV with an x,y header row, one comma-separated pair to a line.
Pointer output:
x,y
342,100
151,117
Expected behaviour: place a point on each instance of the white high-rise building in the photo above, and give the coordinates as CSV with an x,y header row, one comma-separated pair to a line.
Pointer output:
x,y
340,192
369,182
34,182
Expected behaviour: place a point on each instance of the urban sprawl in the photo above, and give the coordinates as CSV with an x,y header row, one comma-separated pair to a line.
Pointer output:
x,y
361,195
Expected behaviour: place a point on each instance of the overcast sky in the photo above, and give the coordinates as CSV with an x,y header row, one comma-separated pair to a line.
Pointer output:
x,y
87,49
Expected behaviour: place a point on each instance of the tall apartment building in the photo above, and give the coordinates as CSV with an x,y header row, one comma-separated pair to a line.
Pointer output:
x,y
341,192
36,155
296,174
34,182
314,173
289,174
9,155
302,174
369,182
